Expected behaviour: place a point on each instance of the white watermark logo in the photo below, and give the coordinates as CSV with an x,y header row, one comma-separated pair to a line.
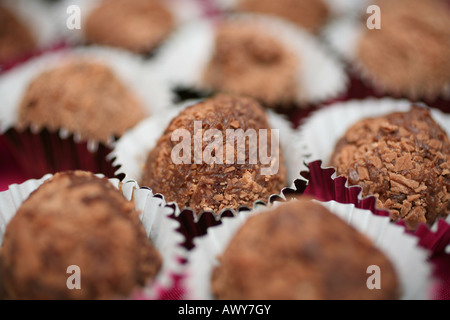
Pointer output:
x,y
74,20
74,280
374,281
374,21
209,147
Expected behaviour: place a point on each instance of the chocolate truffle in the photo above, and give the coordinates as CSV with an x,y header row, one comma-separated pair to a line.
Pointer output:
x,y
135,25
403,159
237,177
409,55
76,219
311,15
83,97
299,250
16,39
248,61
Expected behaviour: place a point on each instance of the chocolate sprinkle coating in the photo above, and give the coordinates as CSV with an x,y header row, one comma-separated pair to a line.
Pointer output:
x,y
403,159
76,218
213,187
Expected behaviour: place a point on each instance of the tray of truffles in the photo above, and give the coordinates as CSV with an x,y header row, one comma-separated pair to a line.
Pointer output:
x,y
224,150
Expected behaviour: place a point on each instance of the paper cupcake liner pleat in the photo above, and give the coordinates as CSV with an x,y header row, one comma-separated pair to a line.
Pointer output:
x,y
45,152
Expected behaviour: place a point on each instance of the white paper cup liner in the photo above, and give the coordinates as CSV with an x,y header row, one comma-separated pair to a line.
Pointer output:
x,y
317,136
148,89
409,260
130,151
154,214
183,59
343,36
182,10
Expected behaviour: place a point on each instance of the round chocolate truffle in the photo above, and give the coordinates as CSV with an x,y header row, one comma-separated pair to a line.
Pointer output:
x,y
82,97
311,15
403,159
409,55
135,25
221,165
16,39
299,250
249,61
76,219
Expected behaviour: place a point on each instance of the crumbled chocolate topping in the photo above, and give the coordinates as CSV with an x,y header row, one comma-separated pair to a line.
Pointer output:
x,y
404,160
214,186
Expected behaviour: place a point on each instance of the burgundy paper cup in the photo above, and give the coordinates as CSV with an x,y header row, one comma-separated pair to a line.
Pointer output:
x,y
155,217
437,241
